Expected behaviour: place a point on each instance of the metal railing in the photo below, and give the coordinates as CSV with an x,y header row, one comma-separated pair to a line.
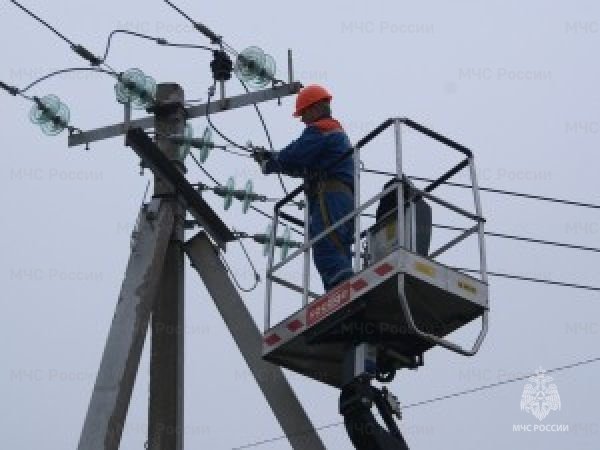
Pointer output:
x,y
406,222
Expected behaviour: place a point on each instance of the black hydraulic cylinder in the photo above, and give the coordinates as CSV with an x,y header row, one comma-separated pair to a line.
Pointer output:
x,y
363,429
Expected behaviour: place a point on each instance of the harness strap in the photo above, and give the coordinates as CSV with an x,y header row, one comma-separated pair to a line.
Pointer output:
x,y
323,187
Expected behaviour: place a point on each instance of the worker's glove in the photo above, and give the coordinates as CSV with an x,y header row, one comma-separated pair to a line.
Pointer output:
x,y
261,155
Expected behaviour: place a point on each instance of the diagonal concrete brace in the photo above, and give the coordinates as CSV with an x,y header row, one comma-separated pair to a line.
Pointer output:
x,y
270,378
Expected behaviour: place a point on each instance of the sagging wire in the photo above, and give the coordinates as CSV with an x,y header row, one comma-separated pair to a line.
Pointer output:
x,y
93,59
159,40
67,70
232,274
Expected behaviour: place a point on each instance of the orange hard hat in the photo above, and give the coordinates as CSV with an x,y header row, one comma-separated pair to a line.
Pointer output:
x,y
310,95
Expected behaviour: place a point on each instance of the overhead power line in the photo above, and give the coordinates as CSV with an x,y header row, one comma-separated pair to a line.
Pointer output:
x,y
490,273
533,280
79,49
513,237
494,190
439,399
43,22
500,383
524,239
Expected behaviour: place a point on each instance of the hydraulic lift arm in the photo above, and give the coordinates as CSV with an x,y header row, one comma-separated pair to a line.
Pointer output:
x,y
357,398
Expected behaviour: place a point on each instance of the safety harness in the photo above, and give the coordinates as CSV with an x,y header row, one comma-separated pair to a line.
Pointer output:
x,y
321,188
323,185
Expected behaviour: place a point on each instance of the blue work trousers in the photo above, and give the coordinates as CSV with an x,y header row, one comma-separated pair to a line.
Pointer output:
x,y
333,263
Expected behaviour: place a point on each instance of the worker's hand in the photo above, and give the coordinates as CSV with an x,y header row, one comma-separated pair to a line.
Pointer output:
x,y
261,155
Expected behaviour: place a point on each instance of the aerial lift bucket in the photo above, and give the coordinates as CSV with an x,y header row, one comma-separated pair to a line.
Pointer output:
x,y
400,302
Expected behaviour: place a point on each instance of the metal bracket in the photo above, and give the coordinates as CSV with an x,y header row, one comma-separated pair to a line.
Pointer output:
x,y
148,151
98,134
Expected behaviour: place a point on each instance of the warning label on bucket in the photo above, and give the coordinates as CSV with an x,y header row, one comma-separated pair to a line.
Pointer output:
x,y
329,303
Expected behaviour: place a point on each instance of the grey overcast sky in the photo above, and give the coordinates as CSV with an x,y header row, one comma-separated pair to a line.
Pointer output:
x,y
515,81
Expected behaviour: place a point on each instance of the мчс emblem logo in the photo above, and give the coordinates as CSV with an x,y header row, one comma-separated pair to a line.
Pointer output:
x,y
540,396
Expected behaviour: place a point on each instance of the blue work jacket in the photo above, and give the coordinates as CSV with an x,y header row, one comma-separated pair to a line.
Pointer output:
x,y
314,153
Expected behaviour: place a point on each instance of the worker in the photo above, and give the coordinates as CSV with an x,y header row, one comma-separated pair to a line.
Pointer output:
x,y
317,156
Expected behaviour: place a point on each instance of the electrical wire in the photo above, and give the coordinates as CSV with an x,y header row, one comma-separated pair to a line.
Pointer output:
x,y
229,48
43,22
264,125
518,238
533,280
131,33
211,91
493,190
63,71
500,383
524,239
14,91
521,277
79,49
513,237
212,125
158,40
191,46
215,39
226,150
436,399
180,11
232,274
218,147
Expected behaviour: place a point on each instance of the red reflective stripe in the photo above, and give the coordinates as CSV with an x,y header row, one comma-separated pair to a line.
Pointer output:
x,y
383,269
294,325
359,284
272,339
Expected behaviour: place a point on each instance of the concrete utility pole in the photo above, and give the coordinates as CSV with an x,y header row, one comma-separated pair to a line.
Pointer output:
x,y
165,414
105,418
153,290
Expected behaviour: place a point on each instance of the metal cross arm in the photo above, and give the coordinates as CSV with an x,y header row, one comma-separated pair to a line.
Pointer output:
x,y
238,101
153,158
